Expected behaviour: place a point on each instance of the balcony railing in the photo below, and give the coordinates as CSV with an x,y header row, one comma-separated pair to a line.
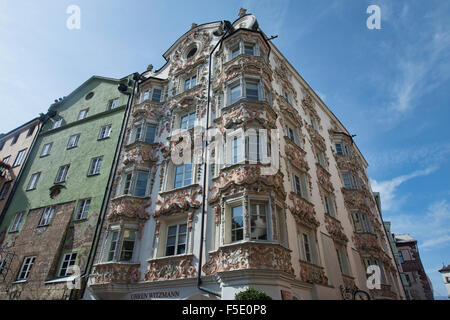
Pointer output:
x,y
115,272
170,268
249,255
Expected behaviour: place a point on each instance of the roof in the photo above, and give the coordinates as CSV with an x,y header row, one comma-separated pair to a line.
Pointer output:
x,y
403,237
7,135
445,269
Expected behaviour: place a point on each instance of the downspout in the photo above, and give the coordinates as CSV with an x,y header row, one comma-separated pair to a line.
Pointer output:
x,y
205,175
42,120
107,196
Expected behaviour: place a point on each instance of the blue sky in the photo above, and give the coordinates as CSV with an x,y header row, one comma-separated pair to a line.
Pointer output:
x,y
390,87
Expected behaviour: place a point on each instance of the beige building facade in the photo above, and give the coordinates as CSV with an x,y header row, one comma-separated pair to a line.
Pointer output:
x,y
273,196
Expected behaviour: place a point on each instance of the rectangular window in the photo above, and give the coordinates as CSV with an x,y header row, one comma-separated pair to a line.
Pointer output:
x,y
300,186
112,104
249,49
57,123
187,121
33,181
112,248
17,221
306,248
347,181
357,221
126,189
95,166
47,216
83,209
145,95
105,132
67,262
83,114
129,238
26,268
190,83
356,183
156,96
183,175
141,184
237,224
314,124
237,154
62,174
46,149
290,133
286,96
73,141
150,134
176,240
329,205
258,221
4,190
253,145
235,93
251,90
343,260
321,159
19,158
339,149
235,51
6,159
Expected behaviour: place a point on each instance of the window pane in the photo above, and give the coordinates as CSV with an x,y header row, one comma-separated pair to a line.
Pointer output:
x,y
249,49
235,93
150,134
156,95
141,184
252,91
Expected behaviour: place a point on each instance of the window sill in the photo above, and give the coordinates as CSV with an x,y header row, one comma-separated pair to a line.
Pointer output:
x,y
165,192
30,190
178,256
70,148
62,279
44,156
105,138
93,175
19,281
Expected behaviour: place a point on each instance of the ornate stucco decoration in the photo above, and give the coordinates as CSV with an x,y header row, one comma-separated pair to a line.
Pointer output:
x,y
317,140
246,111
385,291
312,274
202,39
185,199
248,176
367,243
147,110
170,268
303,211
296,155
323,178
309,107
335,229
114,272
188,100
249,255
140,153
288,111
129,208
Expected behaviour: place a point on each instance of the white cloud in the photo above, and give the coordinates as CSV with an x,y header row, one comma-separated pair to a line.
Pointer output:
x,y
388,188
431,229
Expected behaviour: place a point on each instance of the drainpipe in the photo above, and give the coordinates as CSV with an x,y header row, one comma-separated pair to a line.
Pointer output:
x,y
107,196
205,168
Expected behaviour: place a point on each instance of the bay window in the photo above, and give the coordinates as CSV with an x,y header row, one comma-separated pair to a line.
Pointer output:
x,y
121,245
187,121
242,47
258,221
135,183
190,82
351,181
143,131
247,88
183,175
237,223
361,222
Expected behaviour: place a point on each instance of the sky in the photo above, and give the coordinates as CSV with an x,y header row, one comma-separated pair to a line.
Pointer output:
x,y
390,86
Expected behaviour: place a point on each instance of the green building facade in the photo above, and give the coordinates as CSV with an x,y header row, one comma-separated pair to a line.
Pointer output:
x,y
50,223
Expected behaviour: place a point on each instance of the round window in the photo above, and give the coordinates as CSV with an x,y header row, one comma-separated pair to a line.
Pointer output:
x,y
192,52
89,95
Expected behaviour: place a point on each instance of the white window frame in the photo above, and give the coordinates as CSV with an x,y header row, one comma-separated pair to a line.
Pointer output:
x,y
231,230
83,114
61,176
46,149
27,264
330,206
187,82
73,141
188,115
6,159
57,123
33,181
132,183
113,103
95,166
241,44
258,214
160,96
185,177
105,132
83,209
4,190
177,236
301,189
19,158
47,216
115,255
69,259
343,261
18,218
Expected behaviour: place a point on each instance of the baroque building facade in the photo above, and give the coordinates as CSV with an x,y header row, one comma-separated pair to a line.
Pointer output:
x,y
51,221
274,195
